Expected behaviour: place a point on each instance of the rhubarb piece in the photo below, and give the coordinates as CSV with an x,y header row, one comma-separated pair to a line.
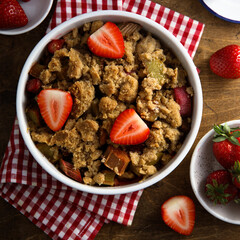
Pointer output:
x,y
36,70
33,114
184,100
127,176
48,152
103,136
156,160
119,182
117,160
69,170
109,177
94,107
155,69
127,29
135,170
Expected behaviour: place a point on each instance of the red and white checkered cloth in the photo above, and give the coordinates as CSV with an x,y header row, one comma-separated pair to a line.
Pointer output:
x,y
60,211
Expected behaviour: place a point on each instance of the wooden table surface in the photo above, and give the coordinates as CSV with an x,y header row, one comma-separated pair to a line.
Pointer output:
x,y
221,103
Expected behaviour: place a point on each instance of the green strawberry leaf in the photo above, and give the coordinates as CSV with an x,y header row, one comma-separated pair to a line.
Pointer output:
x,y
237,201
234,129
236,134
233,140
226,128
223,132
219,139
217,129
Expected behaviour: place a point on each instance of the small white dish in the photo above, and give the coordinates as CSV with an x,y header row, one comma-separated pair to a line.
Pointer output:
x,y
36,12
225,9
202,164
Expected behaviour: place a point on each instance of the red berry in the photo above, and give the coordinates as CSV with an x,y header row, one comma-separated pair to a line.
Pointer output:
x,y
33,85
226,62
129,129
107,41
55,44
12,15
178,213
55,106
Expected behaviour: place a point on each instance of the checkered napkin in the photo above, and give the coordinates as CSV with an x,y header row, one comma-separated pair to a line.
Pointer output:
x,y
60,211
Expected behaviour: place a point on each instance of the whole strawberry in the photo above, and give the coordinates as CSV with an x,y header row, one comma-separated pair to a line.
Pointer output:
x,y
226,62
226,146
219,187
12,15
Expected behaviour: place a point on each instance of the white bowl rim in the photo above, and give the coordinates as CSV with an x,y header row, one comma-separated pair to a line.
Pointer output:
x,y
198,105
227,12
192,179
18,31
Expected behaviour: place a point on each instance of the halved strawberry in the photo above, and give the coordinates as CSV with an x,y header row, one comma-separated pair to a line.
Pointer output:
x,y
69,170
55,44
107,41
55,106
184,100
129,129
178,213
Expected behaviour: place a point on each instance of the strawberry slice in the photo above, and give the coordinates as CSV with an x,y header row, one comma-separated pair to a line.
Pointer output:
x,y
69,170
129,129
184,100
107,41
178,213
55,106
55,44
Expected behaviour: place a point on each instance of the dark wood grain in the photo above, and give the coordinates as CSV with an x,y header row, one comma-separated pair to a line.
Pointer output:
x,y
221,103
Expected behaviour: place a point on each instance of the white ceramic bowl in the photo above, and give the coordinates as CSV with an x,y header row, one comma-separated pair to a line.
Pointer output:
x,y
202,164
164,36
36,12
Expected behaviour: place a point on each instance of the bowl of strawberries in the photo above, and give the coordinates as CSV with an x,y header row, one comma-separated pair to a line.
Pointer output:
x,y
21,16
109,102
215,171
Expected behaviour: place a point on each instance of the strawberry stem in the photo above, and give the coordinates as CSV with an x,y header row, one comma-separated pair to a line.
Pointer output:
x,y
216,192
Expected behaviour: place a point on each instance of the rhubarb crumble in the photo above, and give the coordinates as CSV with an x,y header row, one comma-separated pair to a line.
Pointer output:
x,y
123,116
